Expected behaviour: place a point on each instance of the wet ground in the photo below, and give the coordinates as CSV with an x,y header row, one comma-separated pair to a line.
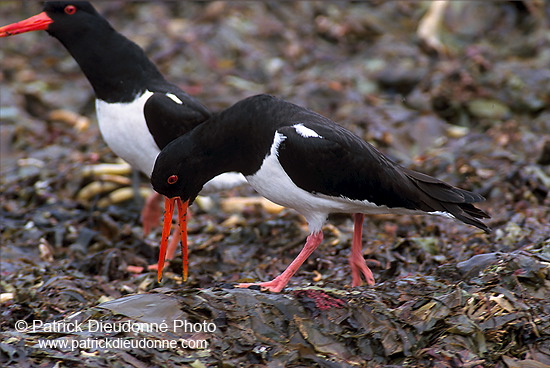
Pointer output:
x,y
473,110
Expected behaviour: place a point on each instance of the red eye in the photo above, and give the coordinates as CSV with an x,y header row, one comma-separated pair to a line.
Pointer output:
x,y
172,179
70,9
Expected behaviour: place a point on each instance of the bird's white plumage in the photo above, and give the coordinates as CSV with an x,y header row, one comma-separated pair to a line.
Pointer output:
x,y
272,182
305,131
123,127
222,182
174,98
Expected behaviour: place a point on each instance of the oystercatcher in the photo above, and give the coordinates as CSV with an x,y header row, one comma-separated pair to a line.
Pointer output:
x,y
301,160
123,79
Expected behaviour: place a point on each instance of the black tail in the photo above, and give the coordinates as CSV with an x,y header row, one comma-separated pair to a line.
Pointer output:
x,y
440,196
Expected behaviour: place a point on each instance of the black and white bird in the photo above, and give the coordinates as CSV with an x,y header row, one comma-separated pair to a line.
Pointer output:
x,y
301,160
123,79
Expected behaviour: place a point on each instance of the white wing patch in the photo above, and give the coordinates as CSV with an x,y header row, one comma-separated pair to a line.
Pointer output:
x,y
174,98
274,151
305,131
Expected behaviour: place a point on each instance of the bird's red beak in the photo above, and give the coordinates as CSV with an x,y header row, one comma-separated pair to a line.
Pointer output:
x,y
39,22
182,217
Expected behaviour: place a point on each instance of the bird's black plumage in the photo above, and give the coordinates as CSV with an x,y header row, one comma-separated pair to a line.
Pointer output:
x,y
331,162
162,113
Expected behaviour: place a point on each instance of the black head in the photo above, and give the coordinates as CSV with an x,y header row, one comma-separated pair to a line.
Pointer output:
x,y
71,19
117,68
68,9
176,172
65,20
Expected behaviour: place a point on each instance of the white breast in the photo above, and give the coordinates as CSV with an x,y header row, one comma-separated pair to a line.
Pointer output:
x,y
123,127
272,182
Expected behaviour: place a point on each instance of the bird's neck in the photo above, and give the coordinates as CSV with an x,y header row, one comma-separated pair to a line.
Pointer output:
x,y
116,67
217,151
208,151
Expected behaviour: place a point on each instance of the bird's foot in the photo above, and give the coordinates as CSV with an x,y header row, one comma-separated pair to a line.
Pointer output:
x,y
155,267
358,268
134,269
171,250
356,260
274,285
279,282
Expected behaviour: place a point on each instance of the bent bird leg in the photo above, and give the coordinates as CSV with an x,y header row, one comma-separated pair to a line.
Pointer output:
x,y
356,261
150,214
278,283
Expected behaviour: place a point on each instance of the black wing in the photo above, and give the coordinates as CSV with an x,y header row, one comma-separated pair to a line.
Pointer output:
x,y
168,119
340,164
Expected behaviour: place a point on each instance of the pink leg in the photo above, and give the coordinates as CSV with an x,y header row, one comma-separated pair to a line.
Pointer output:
x,y
171,249
150,214
356,260
278,283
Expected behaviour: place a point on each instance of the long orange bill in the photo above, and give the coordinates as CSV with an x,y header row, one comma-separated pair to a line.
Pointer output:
x,y
169,205
182,218
168,213
39,22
